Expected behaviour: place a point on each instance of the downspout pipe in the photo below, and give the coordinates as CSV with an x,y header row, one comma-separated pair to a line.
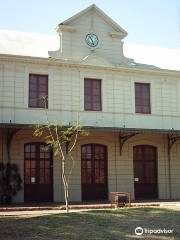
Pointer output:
x,y
169,168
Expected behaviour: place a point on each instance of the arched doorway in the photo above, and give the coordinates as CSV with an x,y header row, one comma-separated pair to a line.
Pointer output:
x,y
145,172
94,172
38,173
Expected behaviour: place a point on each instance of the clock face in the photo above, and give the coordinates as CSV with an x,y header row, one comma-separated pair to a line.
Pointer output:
x,y
91,40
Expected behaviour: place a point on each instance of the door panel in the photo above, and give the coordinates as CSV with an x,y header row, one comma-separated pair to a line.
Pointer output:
x,y
145,172
94,172
38,173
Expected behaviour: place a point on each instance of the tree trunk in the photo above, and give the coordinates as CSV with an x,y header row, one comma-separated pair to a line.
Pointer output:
x,y
66,187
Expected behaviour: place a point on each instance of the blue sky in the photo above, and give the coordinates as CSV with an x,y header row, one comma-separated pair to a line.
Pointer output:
x,y
153,22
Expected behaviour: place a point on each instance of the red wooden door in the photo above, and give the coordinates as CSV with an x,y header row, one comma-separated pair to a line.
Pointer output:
x,y
145,172
94,172
38,183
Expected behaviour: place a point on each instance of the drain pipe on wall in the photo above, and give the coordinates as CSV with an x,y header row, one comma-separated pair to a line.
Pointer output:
x,y
169,167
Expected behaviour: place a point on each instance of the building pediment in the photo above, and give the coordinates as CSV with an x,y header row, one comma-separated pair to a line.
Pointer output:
x,y
92,9
75,44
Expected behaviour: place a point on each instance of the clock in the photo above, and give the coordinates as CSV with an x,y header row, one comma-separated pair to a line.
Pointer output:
x,y
91,40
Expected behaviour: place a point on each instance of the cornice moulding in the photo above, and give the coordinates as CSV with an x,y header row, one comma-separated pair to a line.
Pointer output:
x,y
65,28
69,63
116,35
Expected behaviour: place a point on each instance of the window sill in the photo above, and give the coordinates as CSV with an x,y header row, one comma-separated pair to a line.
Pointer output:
x,y
143,113
37,108
92,110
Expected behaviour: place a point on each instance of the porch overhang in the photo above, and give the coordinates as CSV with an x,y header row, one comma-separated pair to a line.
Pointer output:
x,y
131,130
16,125
173,135
100,129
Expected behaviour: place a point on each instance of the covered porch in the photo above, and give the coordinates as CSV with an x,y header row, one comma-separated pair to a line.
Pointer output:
x,y
143,162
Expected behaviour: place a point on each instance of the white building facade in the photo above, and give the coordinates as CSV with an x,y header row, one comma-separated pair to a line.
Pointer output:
x,y
131,111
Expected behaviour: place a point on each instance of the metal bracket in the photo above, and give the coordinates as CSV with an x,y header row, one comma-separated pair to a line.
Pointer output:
x,y
172,139
123,137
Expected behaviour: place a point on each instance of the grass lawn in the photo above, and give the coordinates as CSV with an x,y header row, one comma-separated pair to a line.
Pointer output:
x,y
92,225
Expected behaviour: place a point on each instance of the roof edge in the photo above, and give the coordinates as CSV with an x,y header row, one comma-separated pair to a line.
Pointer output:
x,y
52,61
100,12
105,129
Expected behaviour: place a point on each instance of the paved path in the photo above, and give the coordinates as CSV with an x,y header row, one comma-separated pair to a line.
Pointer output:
x,y
33,211
26,214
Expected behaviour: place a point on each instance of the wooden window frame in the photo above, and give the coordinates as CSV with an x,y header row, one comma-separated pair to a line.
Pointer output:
x,y
149,102
93,161
100,97
37,90
37,160
144,160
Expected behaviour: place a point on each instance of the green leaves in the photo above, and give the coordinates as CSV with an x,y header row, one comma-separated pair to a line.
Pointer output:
x,y
59,137
38,131
10,179
62,139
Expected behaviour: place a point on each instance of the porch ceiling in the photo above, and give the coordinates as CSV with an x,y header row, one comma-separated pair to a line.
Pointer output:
x,y
131,130
100,129
14,125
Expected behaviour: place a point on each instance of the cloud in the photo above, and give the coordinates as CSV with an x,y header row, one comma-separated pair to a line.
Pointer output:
x,y
168,58
38,45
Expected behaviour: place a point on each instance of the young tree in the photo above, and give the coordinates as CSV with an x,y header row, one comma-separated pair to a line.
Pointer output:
x,y
62,140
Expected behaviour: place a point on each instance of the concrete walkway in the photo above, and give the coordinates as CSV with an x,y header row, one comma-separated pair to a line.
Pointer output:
x,y
156,203
21,209
36,213
51,206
